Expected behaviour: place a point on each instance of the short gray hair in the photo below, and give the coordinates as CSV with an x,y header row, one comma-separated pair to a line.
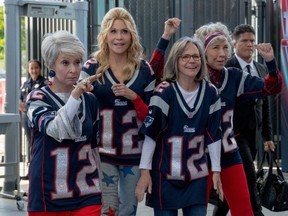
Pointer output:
x,y
59,42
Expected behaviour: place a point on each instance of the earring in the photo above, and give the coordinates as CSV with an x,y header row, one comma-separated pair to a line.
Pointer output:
x,y
51,76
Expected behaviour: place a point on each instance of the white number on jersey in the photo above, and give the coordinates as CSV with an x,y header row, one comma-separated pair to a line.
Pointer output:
x,y
126,137
229,143
62,171
177,160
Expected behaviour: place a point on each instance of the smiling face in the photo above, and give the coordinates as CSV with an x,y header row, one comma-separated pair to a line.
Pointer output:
x,y
67,69
118,38
217,54
34,70
189,62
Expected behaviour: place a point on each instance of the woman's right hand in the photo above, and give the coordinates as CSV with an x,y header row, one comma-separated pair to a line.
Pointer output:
x,y
122,90
84,85
144,182
22,107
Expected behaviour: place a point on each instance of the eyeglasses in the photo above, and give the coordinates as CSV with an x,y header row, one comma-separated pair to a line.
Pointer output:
x,y
187,57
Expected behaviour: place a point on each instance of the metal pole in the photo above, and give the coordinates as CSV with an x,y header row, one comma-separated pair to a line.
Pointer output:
x,y
12,60
284,67
81,24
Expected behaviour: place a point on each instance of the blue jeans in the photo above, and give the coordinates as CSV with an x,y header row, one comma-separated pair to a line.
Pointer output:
x,y
118,189
192,210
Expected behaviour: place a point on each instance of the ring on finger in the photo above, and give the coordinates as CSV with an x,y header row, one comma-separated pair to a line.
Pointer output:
x,y
86,81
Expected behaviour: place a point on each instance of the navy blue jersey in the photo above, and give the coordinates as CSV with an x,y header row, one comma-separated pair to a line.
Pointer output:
x,y
234,85
63,173
238,85
120,143
179,167
30,85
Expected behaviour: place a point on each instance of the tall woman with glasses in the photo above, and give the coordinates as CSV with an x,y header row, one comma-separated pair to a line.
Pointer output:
x,y
183,120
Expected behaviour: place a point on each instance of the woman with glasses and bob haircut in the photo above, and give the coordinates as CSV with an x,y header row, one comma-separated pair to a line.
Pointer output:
x,y
187,108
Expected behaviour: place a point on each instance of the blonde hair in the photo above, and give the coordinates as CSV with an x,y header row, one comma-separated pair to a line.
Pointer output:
x,y
134,51
171,70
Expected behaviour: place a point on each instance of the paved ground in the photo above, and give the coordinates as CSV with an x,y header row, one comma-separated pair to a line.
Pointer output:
x,y
8,206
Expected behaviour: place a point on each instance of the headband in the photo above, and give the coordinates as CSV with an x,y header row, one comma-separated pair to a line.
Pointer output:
x,y
210,37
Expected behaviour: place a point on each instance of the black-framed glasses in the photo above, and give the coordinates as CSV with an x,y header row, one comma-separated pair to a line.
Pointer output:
x,y
187,57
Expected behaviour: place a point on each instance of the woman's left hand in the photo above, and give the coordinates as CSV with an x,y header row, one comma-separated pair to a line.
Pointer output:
x,y
122,90
266,51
